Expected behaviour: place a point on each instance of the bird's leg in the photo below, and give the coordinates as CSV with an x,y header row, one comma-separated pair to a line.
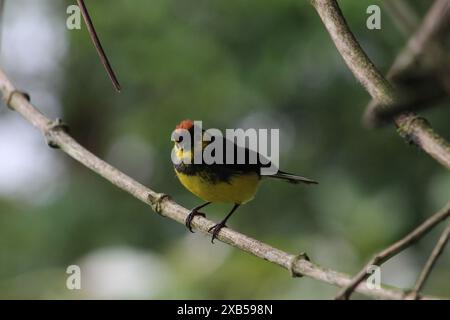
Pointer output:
x,y
216,229
194,212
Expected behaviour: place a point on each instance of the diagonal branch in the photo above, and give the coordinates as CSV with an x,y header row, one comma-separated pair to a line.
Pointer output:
x,y
402,15
424,46
160,203
411,127
396,248
440,245
98,45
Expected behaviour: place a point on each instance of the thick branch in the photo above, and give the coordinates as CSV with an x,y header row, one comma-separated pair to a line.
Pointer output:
x,y
413,100
354,56
411,127
57,137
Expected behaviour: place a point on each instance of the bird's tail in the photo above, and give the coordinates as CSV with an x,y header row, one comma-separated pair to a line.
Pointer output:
x,y
292,178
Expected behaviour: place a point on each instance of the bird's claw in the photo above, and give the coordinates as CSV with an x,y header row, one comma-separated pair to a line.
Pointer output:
x,y
215,230
190,217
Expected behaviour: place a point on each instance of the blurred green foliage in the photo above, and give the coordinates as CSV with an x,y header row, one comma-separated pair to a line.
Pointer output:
x,y
229,63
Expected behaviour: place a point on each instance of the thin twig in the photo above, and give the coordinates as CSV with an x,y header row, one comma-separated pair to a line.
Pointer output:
x,y
395,248
98,45
403,15
423,45
58,137
411,127
440,245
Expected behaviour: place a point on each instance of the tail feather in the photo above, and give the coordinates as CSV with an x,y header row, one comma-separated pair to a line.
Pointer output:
x,y
292,178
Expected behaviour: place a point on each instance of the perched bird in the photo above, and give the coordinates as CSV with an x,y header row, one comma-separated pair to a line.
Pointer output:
x,y
230,183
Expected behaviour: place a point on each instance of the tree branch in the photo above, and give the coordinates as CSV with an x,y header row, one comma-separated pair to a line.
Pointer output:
x,y
411,127
440,245
423,45
160,203
396,248
402,14
413,100
98,46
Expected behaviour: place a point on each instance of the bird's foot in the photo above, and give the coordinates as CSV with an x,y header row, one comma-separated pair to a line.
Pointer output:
x,y
216,229
191,216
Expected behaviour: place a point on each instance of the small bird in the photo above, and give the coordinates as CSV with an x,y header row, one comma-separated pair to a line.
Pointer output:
x,y
226,183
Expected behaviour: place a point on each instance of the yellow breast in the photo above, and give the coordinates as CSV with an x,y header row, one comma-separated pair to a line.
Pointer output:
x,y
239,189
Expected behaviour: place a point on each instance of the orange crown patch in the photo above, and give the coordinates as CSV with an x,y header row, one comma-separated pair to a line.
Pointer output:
x,y
185,124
